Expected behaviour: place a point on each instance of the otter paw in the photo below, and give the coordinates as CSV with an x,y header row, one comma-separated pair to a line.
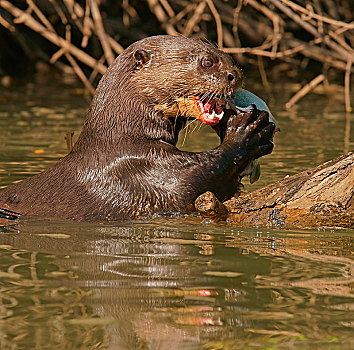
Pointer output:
x,y
251,133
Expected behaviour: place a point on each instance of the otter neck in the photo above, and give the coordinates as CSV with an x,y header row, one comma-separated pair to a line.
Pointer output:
x,y
120,117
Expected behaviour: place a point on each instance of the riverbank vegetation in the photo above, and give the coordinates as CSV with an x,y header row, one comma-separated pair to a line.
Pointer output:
x,y
308,41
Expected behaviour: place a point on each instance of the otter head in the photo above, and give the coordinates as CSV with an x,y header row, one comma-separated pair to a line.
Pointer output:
x,y
159,80
186,77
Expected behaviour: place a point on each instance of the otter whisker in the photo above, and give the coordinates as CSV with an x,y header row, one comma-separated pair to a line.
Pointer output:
x,y
197,127
189,124
185,134
186,128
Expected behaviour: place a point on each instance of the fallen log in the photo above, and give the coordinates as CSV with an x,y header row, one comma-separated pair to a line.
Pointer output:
x,y
319,197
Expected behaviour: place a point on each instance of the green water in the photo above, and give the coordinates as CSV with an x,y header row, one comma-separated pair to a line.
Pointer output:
x,y
171,283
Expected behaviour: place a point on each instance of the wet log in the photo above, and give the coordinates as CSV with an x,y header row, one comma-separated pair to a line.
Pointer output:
x,y
319,197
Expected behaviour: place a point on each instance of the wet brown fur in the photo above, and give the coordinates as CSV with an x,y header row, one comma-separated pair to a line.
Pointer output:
x,y
125,162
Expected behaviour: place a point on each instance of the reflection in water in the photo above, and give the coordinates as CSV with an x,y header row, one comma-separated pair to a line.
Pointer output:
x,y
173,284
37,314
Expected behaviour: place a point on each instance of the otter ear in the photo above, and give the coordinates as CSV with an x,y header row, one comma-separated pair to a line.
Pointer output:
x,y
142,57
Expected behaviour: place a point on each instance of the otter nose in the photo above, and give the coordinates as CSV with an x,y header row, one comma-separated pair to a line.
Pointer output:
x,y
234,77
231,77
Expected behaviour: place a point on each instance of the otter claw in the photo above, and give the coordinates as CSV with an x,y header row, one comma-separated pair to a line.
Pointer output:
x,y
247,109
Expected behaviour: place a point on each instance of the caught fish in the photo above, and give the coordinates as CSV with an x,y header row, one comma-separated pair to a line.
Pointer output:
x,y
241,101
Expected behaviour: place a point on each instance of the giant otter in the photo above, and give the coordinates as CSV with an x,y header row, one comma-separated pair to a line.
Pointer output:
x,y
125,162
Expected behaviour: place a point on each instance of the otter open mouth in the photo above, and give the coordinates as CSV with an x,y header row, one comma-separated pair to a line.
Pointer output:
x,y
210,110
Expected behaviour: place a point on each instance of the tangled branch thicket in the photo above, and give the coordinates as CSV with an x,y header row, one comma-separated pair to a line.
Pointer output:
x,y
85,36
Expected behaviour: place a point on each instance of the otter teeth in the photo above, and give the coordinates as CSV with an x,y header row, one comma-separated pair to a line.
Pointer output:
x,y
215,115
212,111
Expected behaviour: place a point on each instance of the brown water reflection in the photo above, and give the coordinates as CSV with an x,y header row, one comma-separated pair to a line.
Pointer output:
x,y
170,283
173,283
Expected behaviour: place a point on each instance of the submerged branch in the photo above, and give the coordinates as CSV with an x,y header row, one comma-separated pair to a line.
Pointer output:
x,y
305,90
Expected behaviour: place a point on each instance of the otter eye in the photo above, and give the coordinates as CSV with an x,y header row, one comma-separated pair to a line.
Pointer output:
x,y
207,62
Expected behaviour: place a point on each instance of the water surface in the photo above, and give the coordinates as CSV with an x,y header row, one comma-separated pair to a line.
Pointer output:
x,y
171,283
